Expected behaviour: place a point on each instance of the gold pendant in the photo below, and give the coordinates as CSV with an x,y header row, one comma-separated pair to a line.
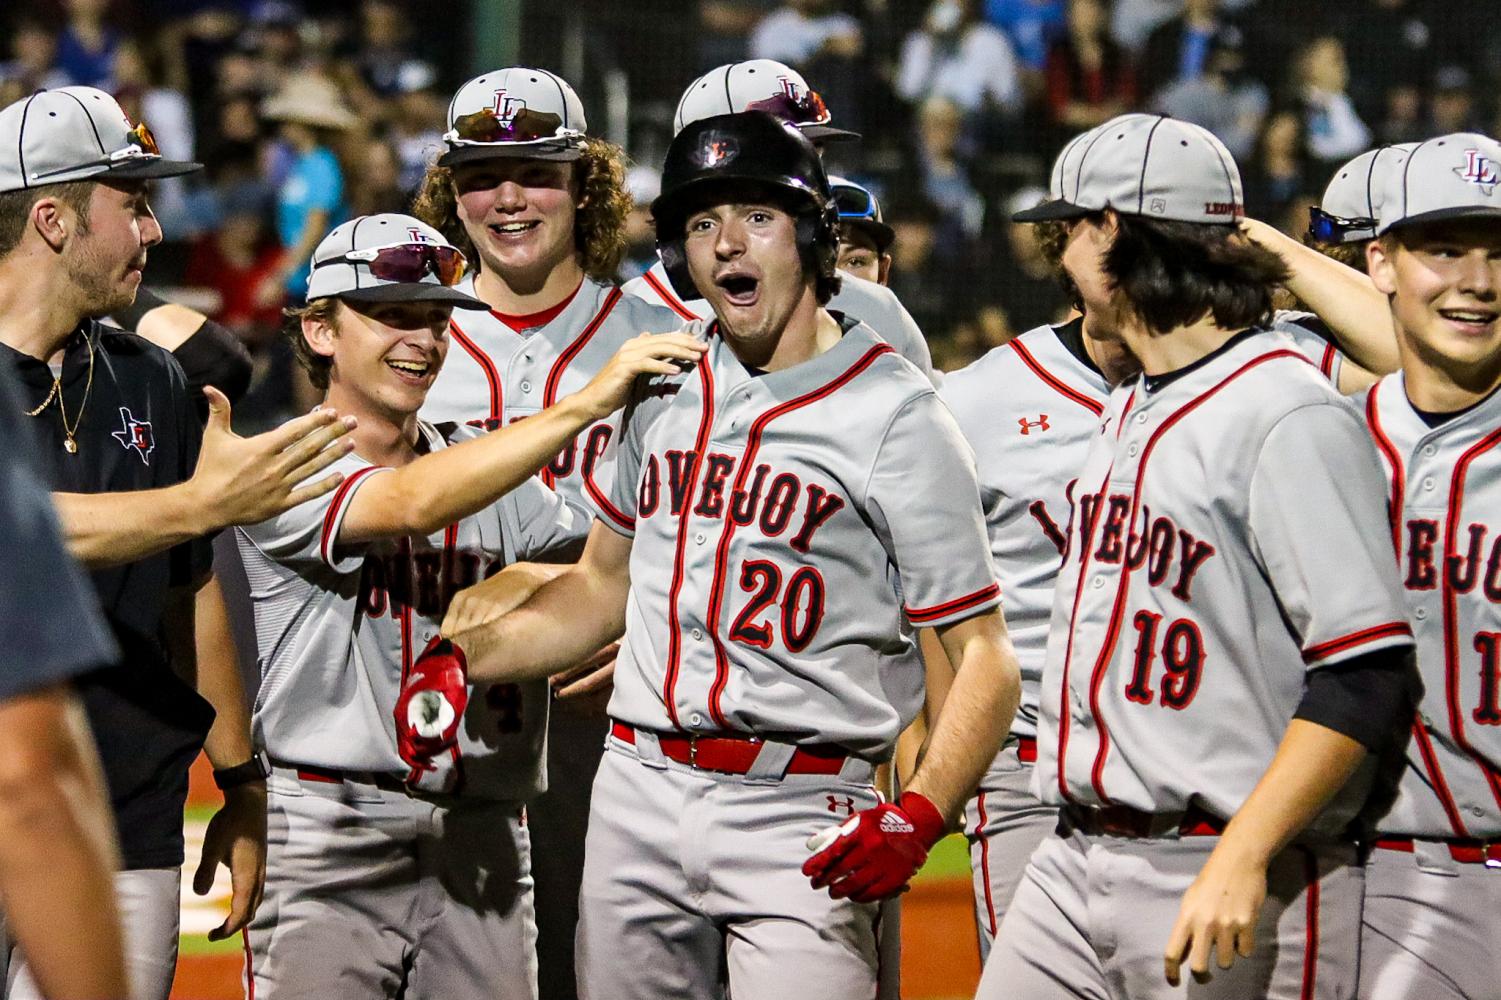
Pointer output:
x,y
70,446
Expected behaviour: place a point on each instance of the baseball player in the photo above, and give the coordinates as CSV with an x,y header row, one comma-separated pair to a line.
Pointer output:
x,y
1432,885
864,238
767,85
539,207
1029,444
138,485
1344,220
770,549
1219,579
384,881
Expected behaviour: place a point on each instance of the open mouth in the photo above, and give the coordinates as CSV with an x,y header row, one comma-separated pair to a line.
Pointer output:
x,y
739,289
504,229
1470,320
410,371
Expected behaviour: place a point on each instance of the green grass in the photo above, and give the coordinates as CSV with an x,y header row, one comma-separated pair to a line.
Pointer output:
x,y
948,859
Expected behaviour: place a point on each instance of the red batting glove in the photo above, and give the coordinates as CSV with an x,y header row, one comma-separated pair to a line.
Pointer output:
x,y
431,705
877,851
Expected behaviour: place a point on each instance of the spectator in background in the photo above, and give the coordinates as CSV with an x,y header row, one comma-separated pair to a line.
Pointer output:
x,y
1452,106
1178,49
1024,278
375,180
138,89
1089,77
383,47
86,47
1403,120
816,39
1395,42
644,184
310,199
417,115
33,62
958,56
936,292
1031,25
1334,131
725,26
1278,170
235,258
945,180
1226,99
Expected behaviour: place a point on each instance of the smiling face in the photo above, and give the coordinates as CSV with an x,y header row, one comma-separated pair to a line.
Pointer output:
x,y
1445,283
744,259
519,214
384,357
106,254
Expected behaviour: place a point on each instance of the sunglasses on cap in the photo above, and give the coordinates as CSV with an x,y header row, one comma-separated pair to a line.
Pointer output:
x,y
1326,228
525,125
854,203
806,110
407,263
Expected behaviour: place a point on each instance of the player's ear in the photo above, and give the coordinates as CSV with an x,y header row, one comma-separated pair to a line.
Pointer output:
x,y
320,329
1380,259
53,220
884,277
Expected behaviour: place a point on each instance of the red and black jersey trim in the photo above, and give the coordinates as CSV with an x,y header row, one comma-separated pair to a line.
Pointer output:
x,y
555,375
497,396
335,508
1375,633
605,507
1451,612
669,300
1326,363
747,462
1394,460
1054,382
920,616
1311,887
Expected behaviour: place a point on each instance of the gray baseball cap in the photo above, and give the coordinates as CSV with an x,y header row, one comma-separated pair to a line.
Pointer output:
x,y
1449,177
75,134
1147,165
761,85
860,210
1354,192
345,262
520,112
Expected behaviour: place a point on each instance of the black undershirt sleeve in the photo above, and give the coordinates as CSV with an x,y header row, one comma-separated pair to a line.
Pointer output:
x,y
214,356
1368,698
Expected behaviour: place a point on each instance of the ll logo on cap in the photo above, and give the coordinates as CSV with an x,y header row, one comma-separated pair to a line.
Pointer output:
x,y
1479,170
507,108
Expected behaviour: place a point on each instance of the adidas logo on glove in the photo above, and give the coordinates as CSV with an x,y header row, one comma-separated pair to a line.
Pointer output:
x,y
892,823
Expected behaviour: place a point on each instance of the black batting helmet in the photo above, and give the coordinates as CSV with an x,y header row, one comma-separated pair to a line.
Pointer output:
x,y
750,150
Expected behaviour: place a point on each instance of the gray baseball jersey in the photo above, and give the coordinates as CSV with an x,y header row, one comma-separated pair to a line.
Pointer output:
x,y
787,526
337,628
496,374
874,305
1030,409
1442,482
1218,523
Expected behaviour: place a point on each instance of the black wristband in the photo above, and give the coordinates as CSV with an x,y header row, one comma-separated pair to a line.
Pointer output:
x,y
257,768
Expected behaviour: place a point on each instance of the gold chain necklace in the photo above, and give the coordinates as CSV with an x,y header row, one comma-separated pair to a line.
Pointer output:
x,y
56,392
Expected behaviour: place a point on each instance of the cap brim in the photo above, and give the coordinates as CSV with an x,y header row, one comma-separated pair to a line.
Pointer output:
x,y
1050,211
1444,215
144,168
880,233
827,133
455,155
413,291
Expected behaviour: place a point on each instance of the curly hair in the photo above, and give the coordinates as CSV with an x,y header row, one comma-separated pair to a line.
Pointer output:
x,y
1348,254
1176,273
598,225
1052,237
325,308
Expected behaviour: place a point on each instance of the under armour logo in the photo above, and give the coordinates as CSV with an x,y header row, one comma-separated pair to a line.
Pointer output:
x,y
1041,423
1479,170
135,435
507,108
892,823
845,805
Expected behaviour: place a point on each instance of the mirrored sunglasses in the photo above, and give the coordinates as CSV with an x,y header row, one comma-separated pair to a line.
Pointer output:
x,y
486,125
806,110
1326,228
408,263
854,203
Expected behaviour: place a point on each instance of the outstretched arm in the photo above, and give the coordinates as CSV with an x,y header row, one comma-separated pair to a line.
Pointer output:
x,y
447,485
568,619
1341,296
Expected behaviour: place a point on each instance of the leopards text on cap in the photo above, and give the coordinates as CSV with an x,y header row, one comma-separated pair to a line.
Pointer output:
x,y
1147,165
342,265
75,134
1450,177
517,111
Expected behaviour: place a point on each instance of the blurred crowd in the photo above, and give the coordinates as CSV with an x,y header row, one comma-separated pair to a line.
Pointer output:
x,y
308,113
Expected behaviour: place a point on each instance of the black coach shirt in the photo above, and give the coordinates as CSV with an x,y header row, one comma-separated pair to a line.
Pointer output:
x,y
52,624
135,431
